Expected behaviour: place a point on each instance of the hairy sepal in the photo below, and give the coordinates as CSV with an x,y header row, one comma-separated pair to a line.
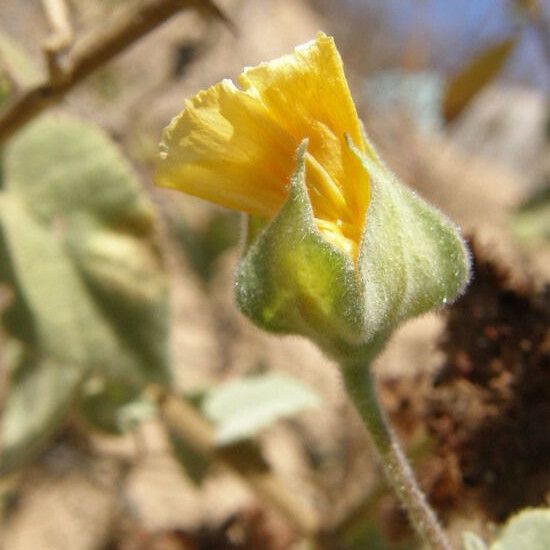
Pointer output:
x,y
292,281
412,257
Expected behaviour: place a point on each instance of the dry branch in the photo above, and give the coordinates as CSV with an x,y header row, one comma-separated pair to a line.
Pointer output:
x,y
60,37
61,31
92,52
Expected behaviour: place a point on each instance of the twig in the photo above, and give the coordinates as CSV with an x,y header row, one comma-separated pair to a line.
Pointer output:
x,y
182,419
91,53
61,31
60,38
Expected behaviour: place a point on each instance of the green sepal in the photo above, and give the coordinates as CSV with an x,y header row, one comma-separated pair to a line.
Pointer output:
x,y
412,257
292,281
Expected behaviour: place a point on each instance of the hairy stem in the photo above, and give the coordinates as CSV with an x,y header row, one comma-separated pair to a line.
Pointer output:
x,y
361,388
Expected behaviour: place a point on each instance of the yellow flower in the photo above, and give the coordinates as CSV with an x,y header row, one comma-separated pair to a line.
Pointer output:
x,y
286,145
236,145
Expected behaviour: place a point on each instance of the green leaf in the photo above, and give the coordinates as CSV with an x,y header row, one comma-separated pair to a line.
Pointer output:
x,y
194,464
528,530
16,314
204,247
470,541
114,406
531,222
79,240
370,537
40,394
241,408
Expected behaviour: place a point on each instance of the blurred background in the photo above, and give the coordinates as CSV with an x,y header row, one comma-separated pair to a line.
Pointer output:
x,y
140,410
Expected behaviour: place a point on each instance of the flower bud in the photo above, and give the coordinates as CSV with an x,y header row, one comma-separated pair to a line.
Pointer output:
x,y
337,249
291,280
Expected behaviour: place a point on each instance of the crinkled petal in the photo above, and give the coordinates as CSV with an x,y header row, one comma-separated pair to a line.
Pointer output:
x,y
307,93
236,147
225,148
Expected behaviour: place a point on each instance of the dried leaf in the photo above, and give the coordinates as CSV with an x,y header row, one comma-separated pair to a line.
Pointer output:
x,y
474,76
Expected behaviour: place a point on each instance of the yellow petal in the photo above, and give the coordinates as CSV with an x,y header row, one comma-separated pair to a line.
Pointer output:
x,y
225,148
307,93
236,147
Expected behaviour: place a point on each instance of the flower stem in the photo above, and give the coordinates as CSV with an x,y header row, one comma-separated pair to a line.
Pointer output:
x,y
361,388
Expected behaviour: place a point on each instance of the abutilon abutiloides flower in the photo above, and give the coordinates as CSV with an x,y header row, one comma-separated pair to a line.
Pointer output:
x,y
337,249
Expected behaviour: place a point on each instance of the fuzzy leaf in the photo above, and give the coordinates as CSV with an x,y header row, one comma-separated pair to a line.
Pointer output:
x,y
40,394
204,247
79,240
241,408
528,530
470,541
113,406
531,221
